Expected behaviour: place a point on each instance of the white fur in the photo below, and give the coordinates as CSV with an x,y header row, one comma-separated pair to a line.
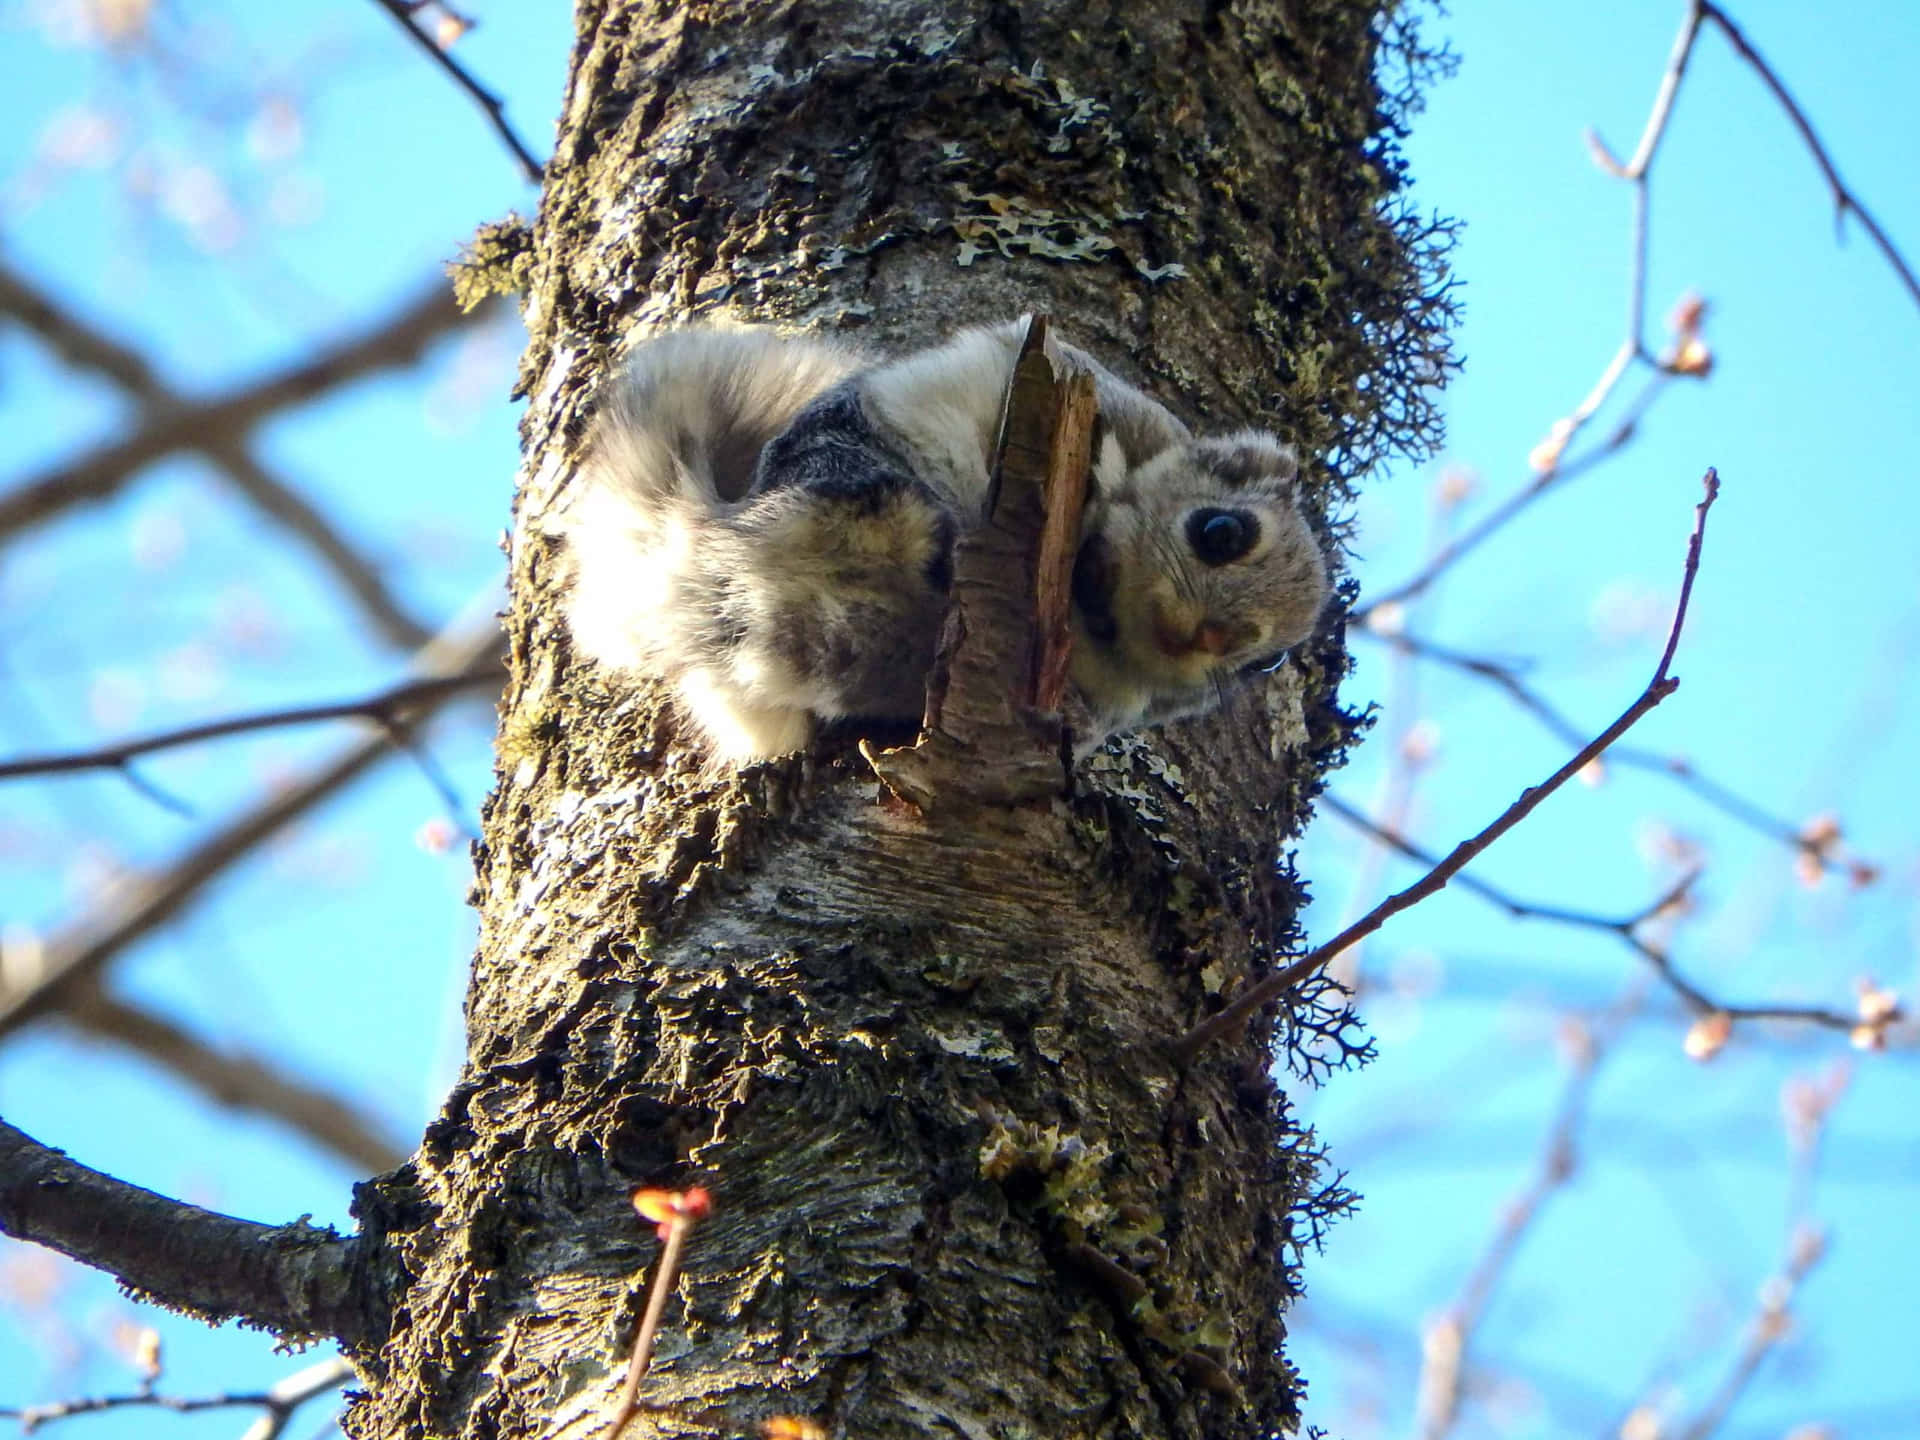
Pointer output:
x,y
946,404
679,573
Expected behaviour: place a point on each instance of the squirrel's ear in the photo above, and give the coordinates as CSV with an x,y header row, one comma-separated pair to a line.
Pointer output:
x,y
1109,457
1249,459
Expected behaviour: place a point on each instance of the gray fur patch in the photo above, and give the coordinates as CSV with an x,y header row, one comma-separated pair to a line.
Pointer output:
x,y
833,450
1246,460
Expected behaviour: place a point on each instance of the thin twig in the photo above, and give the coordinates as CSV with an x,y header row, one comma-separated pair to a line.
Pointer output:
x,y
434,773
38,973
223,420
1237,1012
1638,173
278,1402
236,1079
642,1357
1808,1116
1844,199
1449,1337
1624,927
1406,755
1675,767
1770,1324
676,1212
80,343
279,500
1562,471
1656,126
1552,468
488,101
395,704
1772,1318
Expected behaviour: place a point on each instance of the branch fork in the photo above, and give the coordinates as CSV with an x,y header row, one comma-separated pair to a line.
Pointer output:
x,y
1228,1021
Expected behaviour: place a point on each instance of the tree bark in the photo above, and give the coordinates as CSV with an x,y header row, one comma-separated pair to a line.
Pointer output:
x,y
919,1059
300,1280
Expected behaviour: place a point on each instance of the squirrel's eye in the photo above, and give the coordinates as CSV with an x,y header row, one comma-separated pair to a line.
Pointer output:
x,y
1220,537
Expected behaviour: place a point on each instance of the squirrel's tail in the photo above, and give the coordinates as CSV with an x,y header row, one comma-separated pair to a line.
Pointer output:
x,y
672,450
690,414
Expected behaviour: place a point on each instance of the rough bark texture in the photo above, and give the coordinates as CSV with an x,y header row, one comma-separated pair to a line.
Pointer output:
x,y
918,1060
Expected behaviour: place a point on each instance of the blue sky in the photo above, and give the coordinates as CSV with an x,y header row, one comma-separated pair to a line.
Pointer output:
x,y
297,177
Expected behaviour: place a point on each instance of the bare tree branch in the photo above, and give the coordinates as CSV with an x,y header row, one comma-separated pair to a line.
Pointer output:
x,y
402,13
1771,1321
299,1280
395,705
78,343
1806,1245
225,420
83,345
1237,1011
236,1079
35,975
1625,927
1449,1336
1638,173
1825,854
1844,200
1405,747
1551,468
300,517
278,1402
1544,479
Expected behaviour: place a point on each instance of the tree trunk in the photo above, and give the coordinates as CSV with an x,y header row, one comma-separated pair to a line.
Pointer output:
x,y
920,1060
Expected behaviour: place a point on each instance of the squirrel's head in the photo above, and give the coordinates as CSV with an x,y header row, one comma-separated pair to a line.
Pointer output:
x,y
1193,564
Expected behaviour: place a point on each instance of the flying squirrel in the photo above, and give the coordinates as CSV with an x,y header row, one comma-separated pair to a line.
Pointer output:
x,y
767,523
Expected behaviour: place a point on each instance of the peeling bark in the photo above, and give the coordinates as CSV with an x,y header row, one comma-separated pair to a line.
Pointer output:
x,y
988,737
919,1059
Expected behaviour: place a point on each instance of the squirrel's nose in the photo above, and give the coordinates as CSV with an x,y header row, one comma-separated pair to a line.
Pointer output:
x,y
1209,637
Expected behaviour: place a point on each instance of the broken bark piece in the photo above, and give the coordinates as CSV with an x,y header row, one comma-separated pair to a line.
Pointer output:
x,y
1069,472
993,734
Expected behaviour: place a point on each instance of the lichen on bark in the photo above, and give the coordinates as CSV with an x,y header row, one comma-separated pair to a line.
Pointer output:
x,y
919,1060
